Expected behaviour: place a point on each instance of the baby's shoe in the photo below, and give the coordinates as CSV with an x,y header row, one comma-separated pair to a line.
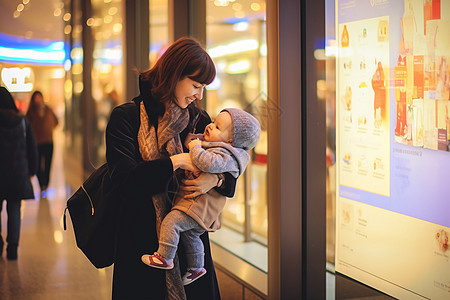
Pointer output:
x,y
192,275
156,261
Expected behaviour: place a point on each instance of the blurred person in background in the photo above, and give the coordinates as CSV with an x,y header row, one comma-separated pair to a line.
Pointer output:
x,y
18,163
43,121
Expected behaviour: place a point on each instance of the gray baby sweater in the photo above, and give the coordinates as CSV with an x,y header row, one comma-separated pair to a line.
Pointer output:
x,y
219,157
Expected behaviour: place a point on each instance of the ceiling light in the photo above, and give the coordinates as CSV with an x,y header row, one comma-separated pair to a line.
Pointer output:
x,y
241,26
233,48
238,67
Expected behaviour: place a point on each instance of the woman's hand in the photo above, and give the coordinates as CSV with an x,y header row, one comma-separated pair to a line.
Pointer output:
x,y
200,185
192,136
183,161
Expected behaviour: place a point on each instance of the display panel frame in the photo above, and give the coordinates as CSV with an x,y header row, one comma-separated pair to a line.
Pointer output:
x,y
392,223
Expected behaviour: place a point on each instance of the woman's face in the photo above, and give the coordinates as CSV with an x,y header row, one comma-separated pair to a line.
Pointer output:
x,y
38,100
187,90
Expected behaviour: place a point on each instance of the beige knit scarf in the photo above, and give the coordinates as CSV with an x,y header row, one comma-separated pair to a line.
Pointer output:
x,y
161,144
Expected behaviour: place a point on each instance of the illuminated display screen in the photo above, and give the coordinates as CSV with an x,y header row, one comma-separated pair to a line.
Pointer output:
x,y
393,132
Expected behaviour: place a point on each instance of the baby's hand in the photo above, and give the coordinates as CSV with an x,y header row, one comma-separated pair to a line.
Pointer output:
x,y
194,143
192,136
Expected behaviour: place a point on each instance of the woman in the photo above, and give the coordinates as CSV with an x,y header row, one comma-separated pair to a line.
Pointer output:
x,y
145,140
43,121
18,162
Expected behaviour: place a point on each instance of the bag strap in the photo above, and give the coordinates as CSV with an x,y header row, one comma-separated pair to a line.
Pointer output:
x,y
64,218
24,127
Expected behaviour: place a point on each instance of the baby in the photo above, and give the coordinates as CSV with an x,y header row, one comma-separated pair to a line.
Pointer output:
x,y
224,149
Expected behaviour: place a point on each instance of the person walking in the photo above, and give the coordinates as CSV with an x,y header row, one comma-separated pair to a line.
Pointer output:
x,y
18,163
145,143
43,121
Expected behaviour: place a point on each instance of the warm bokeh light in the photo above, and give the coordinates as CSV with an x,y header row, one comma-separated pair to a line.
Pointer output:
x,y
58,237
77,69
237,6
239,14
90,22
67,17
255,6
112,11
78,87
67,29
117,28
57,12
107,19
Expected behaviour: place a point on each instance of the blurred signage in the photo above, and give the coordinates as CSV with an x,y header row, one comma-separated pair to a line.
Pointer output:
x,y
18,79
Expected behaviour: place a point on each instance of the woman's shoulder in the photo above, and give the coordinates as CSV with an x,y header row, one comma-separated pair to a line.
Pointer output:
x,y
126,113
125,109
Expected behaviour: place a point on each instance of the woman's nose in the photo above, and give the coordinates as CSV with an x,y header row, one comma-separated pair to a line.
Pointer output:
x,y
199,95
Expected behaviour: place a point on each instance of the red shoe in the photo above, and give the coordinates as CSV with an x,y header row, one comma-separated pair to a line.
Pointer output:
x,y
192,275
156,261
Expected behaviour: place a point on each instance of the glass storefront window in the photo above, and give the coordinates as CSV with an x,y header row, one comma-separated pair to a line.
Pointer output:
x,y
330,96
236,40
73,85
107,72
159,28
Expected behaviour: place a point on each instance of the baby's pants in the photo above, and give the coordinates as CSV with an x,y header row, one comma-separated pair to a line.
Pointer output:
x,y
178,225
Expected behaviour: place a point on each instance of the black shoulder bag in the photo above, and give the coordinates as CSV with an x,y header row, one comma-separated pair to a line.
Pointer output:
x,y
92,209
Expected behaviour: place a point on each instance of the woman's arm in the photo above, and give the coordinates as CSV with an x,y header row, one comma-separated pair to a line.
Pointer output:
x,y
183,161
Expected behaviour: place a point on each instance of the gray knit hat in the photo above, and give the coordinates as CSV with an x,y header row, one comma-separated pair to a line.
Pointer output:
x,y
246,128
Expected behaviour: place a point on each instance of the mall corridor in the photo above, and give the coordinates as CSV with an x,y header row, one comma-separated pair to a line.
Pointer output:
x,y
49,265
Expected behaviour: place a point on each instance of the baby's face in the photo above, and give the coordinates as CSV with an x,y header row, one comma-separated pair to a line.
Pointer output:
x,y
221,130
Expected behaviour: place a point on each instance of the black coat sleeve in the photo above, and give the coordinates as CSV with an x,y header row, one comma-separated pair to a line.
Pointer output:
x,y
126,169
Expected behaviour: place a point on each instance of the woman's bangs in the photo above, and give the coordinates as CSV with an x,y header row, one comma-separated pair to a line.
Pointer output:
x,y
205,71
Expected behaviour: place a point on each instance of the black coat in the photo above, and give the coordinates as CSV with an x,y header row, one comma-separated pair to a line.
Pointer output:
x,y
133,279
18,156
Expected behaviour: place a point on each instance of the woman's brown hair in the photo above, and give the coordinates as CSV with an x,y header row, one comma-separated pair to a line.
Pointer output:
x,y
185,57
33,105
